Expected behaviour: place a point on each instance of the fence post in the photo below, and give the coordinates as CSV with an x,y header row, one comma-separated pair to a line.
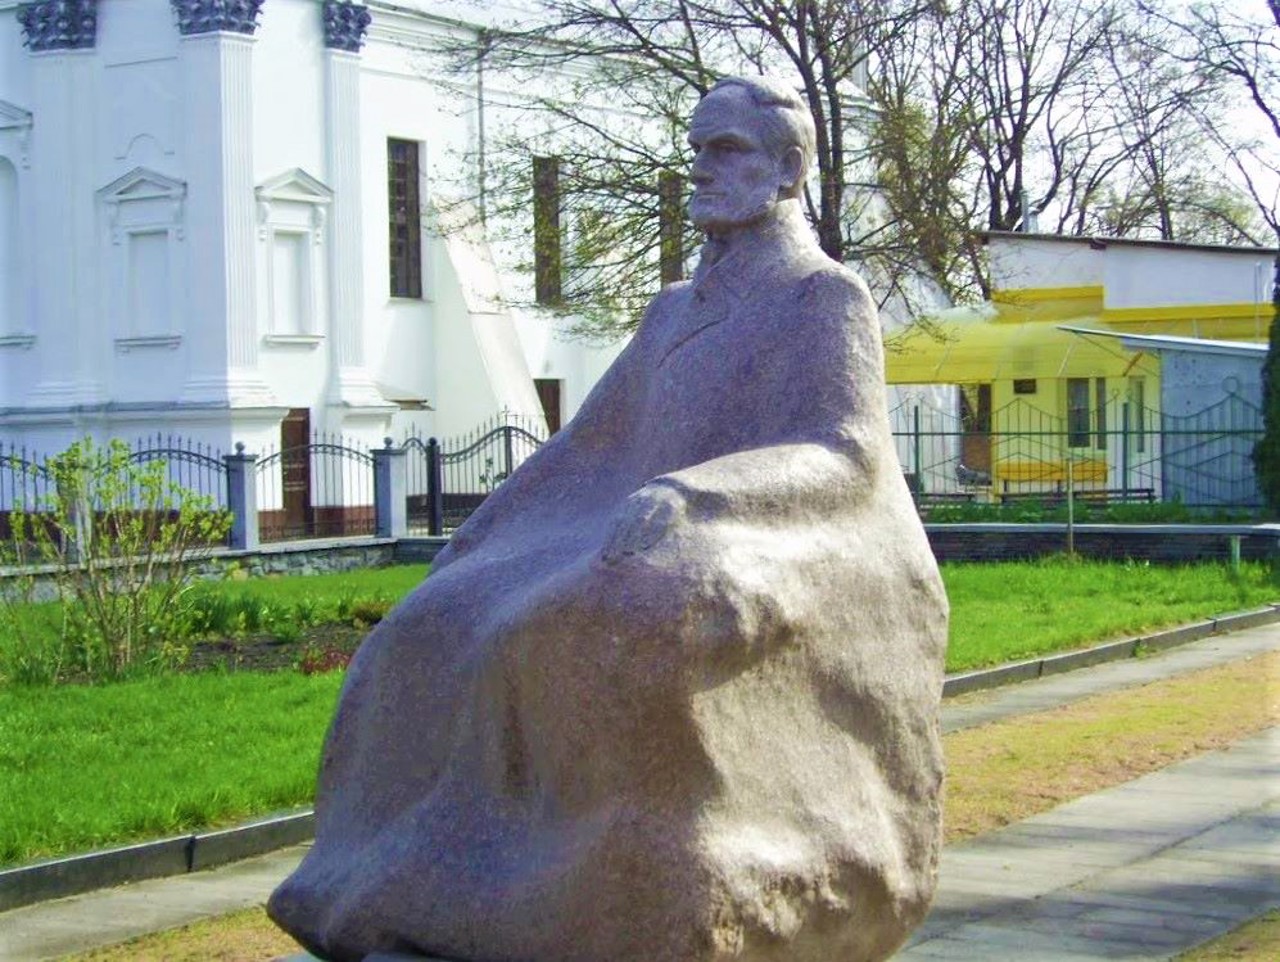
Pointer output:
x,y
506,451
1124,450
242,498
435,488
390,484
915,445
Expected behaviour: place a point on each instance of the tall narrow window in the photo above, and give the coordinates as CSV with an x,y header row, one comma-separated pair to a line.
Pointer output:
x,y
1100,412
549,397
1078,412
405,216
1138,412
670,226
546,229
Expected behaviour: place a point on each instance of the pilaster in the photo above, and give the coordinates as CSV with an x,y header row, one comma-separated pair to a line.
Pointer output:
x,y
222,324
344,28
63,285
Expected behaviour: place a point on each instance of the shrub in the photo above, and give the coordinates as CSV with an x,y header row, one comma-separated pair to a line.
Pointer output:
x,y
120,538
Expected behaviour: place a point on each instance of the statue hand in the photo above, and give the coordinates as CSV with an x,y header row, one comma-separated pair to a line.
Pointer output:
x,y
645,519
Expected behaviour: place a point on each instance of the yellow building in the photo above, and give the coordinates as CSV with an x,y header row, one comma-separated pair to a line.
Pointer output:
x,y
1042,400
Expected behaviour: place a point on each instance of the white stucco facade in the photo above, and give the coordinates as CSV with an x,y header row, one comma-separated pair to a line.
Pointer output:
x,y
194,231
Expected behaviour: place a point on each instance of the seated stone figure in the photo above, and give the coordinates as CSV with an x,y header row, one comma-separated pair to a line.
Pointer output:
x,y
671,694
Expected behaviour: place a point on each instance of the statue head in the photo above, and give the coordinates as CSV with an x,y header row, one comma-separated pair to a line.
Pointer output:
x,y
753,142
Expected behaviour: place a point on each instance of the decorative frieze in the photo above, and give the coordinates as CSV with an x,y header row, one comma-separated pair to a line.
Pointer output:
x,y
59,24
345,24
211,16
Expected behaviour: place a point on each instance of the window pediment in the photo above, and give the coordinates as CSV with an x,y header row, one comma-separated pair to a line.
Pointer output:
x,y
294,185
11,115
152,198
143,184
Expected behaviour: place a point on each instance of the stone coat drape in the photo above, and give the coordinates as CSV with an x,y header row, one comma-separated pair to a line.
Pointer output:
x,y
680,671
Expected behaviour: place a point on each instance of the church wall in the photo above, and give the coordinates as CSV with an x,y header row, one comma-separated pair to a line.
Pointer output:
x,y
164,296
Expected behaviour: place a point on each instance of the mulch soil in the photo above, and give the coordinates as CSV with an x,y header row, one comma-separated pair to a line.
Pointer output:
x,y
320,648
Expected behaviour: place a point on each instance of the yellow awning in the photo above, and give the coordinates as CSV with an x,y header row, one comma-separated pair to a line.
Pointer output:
x,y
974,345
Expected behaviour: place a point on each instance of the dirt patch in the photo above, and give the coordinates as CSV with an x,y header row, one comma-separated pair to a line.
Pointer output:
x,y
247,936
1002,773
1256,941
332,644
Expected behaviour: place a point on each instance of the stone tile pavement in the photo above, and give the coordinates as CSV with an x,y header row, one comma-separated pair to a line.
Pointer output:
x,y
1144,870
1140,871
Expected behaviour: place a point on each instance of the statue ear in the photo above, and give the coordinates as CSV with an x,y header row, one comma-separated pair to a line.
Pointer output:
x,y
791,170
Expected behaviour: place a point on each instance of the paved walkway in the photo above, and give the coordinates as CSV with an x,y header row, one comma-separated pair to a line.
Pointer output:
x,y
1140,871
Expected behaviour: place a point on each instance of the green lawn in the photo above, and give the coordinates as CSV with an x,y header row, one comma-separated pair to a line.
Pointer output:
x,y
1005,612
86,766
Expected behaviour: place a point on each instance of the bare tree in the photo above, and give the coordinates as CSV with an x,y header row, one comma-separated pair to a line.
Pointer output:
x,y
654,59
935,121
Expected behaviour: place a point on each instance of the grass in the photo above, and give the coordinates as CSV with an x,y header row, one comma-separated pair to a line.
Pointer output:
x,y
244,936
1003,773
1006,612
998,774
87,766
1255,941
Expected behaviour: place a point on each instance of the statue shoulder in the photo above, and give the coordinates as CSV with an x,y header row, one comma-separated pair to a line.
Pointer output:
x,y
834,290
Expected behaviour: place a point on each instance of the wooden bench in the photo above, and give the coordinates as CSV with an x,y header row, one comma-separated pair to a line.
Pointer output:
x,y
1098,496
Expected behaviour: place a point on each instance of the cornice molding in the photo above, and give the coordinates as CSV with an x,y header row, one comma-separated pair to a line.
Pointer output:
x,y
215,16
59,24
345,25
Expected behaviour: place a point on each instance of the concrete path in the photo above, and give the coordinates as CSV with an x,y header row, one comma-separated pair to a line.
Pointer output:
x,y
984,707
1139,871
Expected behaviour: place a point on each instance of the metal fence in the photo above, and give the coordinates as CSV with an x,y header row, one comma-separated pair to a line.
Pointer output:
x,y
28,479
1130,453
317,490
449,479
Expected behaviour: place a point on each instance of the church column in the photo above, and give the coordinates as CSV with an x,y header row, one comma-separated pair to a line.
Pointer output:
x,y
345,24
61,35
221,322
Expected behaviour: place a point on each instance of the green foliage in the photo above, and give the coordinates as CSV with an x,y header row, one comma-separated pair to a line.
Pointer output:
x,y
1266,453
177,752
284,607
1033,512
1006,612
119,538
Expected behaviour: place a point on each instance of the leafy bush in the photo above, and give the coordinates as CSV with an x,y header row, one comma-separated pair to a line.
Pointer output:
x,y
120,538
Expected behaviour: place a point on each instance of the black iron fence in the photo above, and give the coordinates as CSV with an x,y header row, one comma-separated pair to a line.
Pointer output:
x,y
333,487
322,489
449,479
1121,453
29,483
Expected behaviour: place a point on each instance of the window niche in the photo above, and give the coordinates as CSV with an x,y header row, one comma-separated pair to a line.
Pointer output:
x,y
15,143
145,213
292,214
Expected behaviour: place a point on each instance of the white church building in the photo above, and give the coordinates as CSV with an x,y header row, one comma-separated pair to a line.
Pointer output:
x,y
218,220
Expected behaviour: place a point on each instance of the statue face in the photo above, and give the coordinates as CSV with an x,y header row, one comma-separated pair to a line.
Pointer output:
x,y
736,177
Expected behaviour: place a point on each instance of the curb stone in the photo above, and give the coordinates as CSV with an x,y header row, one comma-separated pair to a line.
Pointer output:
x,y
76,874
987,678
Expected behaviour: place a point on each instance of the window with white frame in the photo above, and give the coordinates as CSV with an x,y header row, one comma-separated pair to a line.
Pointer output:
x,y
145,213
292,214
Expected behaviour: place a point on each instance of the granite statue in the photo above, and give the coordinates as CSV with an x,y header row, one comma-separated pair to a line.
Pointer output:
x,y
671,694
